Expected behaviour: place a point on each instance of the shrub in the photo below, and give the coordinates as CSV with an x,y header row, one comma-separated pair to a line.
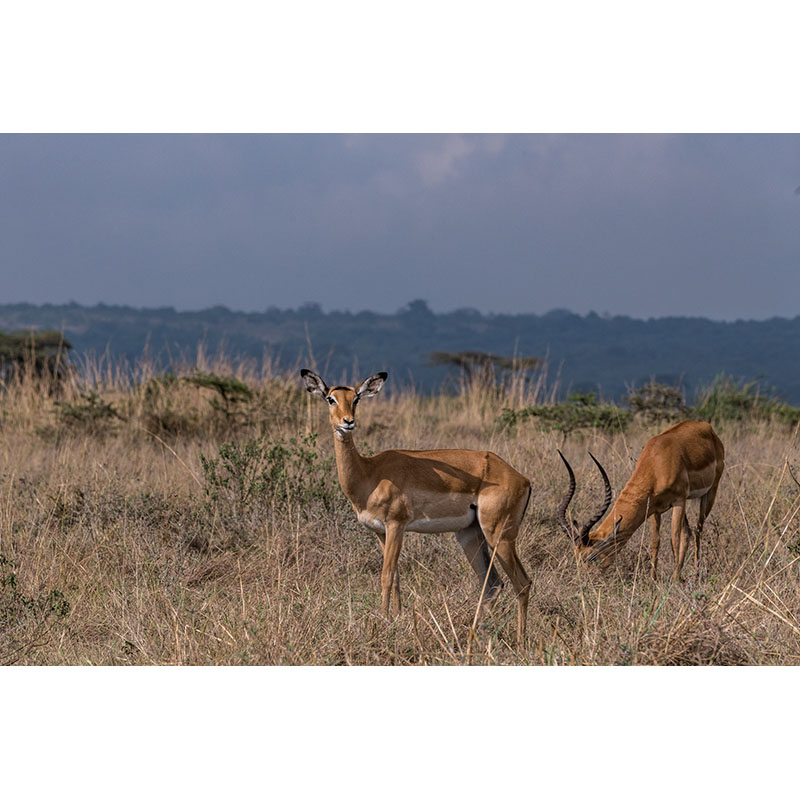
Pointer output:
x,y
657,402
727,399
274,473
25,620
232,392
91,414
578,412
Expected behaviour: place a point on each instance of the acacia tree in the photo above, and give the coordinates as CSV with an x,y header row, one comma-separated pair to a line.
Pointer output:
x,y
484,370
34,354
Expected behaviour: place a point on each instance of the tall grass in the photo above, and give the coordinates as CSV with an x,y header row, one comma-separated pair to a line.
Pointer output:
x,y
178,531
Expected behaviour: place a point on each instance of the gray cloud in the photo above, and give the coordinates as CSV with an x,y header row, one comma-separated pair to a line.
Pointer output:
x,y
646,225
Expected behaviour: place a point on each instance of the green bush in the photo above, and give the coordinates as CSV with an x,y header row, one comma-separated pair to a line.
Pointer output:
x,y
580,411
657,402
727,399
232,392
92,414
273,473
25,619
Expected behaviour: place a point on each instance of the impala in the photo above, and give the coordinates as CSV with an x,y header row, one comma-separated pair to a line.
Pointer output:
x,y
682,463
471,492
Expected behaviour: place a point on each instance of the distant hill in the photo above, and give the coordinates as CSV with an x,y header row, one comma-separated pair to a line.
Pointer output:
x,y
585,353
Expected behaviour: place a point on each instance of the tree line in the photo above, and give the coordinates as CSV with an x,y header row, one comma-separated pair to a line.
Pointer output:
x,y
581,354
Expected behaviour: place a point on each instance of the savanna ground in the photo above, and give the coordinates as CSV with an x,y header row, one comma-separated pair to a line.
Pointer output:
x,y
194,520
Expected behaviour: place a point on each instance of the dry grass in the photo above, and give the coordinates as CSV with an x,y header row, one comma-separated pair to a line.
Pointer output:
x,y
159,565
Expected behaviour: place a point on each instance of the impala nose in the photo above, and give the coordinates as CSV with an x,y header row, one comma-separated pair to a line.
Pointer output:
x,y
348,421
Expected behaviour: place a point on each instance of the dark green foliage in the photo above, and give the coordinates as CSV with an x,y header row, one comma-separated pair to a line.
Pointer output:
x,y
271,473
92,414
34,354
232,392
727,400
25,619
657,402
581,411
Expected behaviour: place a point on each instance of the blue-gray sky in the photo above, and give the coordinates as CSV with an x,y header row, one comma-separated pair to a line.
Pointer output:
x,y
644,225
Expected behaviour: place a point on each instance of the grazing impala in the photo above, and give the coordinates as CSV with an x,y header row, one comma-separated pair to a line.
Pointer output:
x,y
472,492
682,463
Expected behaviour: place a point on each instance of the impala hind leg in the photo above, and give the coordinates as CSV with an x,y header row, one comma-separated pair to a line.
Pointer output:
x,y
697,531
390,576
680,538
500,517
501,539
474,545
509,561
655,541
706,504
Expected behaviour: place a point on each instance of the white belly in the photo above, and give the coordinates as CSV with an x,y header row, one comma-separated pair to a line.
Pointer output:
x,y
700,482
424,524
442,524
373,524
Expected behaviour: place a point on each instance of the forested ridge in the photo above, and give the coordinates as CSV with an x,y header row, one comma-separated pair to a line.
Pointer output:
x,y
605,354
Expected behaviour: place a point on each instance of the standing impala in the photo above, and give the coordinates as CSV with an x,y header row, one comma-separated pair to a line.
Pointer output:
x,y
682,463
472,492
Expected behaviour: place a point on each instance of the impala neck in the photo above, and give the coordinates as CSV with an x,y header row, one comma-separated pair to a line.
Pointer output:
x,y
632,506
351,468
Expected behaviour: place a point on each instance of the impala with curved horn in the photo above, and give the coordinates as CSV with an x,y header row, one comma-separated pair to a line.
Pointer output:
x,y
682,463
472,492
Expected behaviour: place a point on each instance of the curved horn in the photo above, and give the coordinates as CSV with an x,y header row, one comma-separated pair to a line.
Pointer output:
x,y
605,544
584,534
570,530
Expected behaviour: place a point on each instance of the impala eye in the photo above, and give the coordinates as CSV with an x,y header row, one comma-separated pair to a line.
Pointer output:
x,y
331,401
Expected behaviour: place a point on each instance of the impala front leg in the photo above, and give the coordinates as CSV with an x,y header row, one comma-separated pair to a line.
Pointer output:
x,y
390,576
382,545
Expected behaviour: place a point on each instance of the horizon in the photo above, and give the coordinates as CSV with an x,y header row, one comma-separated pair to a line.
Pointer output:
x,y
313,306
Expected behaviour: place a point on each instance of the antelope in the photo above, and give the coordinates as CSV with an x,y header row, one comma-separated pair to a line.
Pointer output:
x,y
471,492
682,463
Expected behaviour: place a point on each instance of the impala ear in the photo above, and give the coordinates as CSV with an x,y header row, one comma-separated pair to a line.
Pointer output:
x,y
372,385
314,383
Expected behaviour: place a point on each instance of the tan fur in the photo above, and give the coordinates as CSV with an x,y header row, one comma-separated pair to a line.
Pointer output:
x,y
683,462
473,492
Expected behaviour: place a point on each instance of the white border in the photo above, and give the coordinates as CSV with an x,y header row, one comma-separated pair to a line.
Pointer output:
x,y
313,66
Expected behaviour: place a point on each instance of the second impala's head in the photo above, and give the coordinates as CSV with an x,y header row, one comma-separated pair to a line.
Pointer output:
x,y
342,400
601,547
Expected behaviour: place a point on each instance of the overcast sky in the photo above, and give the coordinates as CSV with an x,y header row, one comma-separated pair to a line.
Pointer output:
x,y
644,225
